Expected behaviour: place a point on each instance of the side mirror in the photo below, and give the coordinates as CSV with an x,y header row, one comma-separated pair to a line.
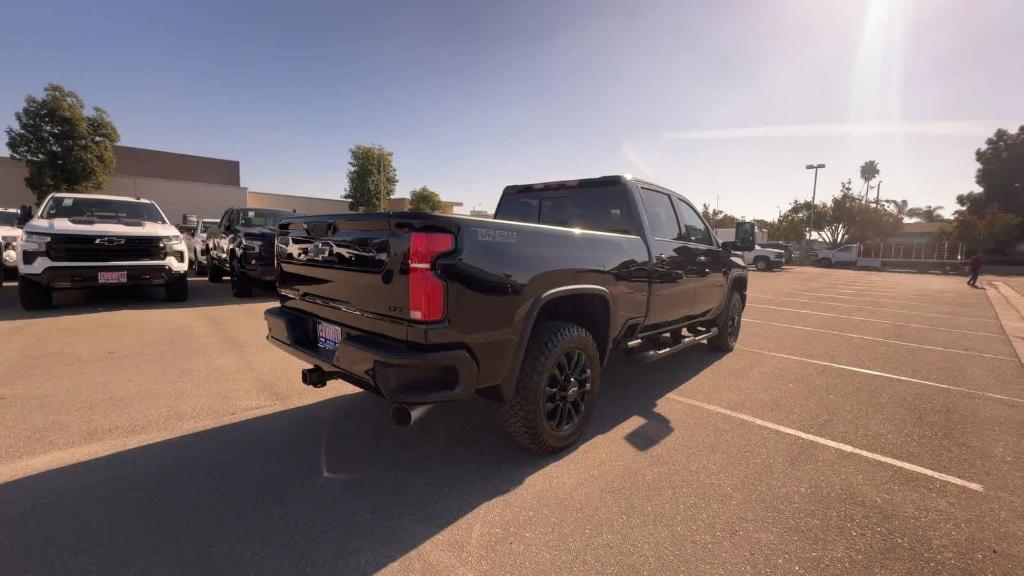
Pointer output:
x,y
746,236
24,215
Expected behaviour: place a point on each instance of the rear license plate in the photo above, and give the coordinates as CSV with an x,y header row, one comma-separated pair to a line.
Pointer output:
x,y
327,336
112,277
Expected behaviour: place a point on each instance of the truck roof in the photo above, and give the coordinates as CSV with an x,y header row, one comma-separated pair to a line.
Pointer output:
x,y
584,183
581,183
100,197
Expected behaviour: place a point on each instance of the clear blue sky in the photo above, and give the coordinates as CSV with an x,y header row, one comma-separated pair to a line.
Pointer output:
x,y
726,99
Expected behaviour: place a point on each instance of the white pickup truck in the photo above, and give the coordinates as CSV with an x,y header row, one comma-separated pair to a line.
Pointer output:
x,y
843,255
764,258
90,240
10,237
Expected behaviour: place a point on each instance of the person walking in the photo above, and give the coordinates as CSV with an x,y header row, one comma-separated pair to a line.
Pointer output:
x,y
974,265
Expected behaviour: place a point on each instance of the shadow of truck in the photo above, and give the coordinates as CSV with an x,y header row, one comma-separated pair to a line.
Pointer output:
x,y
328,487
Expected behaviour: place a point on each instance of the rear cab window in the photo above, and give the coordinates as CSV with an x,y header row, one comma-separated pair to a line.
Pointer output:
x,y
601,208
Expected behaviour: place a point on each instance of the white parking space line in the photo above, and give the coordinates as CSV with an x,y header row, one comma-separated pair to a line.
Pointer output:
x,y
900,342
878,308
914,290
872,293
885,375
877,320
832,444
887,300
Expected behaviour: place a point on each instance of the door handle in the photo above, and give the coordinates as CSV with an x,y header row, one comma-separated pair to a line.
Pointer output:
x,y
661,257
702,258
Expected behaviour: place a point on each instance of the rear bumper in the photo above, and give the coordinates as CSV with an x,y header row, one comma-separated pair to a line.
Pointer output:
x,y
398,371
58,277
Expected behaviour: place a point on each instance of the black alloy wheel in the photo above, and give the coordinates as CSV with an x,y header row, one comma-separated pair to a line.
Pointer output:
x,y
566,388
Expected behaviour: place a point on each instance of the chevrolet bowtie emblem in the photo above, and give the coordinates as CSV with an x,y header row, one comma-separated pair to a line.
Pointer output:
x,y
110,241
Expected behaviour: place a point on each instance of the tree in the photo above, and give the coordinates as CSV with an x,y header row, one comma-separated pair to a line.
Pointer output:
x,y
1001,171
371,178
868,172
926,213
971,202
899,207
424,199
717,218
992,231
64,149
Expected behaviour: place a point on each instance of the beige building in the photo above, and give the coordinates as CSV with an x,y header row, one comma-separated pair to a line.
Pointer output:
x,y
183,184
179,183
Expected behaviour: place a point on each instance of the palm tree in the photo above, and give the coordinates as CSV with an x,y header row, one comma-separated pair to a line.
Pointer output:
x,y
868,172
926,213
899,207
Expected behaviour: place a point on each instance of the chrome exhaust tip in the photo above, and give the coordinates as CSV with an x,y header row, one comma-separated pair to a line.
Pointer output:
x,y
403,415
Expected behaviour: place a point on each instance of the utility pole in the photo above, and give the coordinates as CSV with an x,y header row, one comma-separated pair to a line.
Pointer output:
x,y
878,195
810,225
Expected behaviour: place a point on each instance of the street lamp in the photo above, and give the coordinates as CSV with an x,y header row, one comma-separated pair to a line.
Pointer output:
x,y
810,225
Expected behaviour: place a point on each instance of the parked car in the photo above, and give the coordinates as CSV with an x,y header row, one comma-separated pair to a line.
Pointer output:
x,y
90,240
764,258
786,249
10,237
197,244
844,255
524,309
242,246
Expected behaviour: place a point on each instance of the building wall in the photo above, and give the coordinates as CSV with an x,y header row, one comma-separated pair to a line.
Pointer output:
x,y
301,204
173,166
13,192
175,197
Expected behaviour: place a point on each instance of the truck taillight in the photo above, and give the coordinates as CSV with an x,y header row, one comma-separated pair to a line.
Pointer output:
x,y
426,290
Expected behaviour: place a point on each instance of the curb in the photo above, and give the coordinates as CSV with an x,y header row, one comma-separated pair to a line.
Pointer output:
x,y
1009,306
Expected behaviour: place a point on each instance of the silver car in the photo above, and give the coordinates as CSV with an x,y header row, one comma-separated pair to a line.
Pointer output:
x,y
197,244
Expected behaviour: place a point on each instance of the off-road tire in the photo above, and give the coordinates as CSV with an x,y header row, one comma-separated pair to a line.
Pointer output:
x,y
32,295
524,415
241,283
177,289
214,273
825,262
728,330
762,264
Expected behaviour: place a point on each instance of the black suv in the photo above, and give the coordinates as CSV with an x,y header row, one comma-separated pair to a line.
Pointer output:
x,y
242,246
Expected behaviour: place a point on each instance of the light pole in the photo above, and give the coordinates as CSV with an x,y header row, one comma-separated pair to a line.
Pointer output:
x,y
878,195
810,225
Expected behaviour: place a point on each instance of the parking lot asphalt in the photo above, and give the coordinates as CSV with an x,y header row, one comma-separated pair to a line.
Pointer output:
x,y
868,423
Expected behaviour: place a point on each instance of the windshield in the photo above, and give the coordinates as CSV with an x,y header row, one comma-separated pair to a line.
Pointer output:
x,y
101,209
8,218
262,216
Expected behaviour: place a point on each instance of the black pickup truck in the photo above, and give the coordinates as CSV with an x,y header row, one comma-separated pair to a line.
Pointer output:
x,y
242,246
524,309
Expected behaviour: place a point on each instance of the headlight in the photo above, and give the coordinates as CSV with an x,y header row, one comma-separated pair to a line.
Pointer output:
x,y
252,242
30,241
176,239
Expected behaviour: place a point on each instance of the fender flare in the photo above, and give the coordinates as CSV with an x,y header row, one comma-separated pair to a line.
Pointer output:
x,y
507,384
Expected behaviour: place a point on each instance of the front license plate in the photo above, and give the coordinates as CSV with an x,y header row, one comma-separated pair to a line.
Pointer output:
x,y
113,277
327,336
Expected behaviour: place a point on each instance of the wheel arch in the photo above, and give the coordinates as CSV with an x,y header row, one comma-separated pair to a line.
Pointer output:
x,y
589,306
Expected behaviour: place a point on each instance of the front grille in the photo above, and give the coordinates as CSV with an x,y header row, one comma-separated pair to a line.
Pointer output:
x,y
80,248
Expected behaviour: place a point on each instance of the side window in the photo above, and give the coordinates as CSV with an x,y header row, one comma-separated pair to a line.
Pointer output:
x,y
844,249
695,229
660,215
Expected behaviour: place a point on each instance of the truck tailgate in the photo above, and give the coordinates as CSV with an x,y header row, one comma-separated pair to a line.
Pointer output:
x,y
351,268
